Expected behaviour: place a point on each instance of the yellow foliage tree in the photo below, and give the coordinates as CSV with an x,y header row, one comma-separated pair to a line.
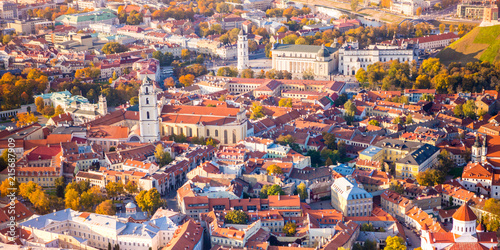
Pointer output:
x,y
24,119
106,207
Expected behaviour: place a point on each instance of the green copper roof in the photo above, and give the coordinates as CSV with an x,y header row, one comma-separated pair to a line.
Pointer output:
x,y
95,16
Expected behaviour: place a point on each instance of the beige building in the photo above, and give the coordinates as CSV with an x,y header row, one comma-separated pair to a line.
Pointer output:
x,y
417,161
350,198
227,125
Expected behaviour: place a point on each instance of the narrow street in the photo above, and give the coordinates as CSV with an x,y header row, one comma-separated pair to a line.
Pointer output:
x,y
414,238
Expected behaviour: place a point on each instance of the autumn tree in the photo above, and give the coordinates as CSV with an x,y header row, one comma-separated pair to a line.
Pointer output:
x,y
131,187
72,199
106,207
236,217
354,5
419,11
25,119
247,73
395,243
25,189
169,82
39,104
9,186
185,54
59,110
227,71
274,170
113,189
285,102
290,229
186,80
430,177
302,191
442,27
361,75
350,111
149,200
256,111
162,157
113,48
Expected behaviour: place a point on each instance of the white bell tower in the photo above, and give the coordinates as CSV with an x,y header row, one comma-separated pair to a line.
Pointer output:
x,y
148,121
242,51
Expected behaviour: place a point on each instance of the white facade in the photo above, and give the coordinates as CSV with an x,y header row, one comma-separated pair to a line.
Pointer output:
x,y
320,60
148,121
242,51
353,58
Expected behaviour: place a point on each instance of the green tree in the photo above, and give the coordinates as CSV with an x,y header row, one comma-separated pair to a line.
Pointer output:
x,y
275,190
290,229
458,111
329,140
395,243
263,191
302,191
469,109
350,111
236,217
409,119
60,185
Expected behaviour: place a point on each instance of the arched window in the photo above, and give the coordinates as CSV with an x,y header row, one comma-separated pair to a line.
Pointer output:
x,y
147,90
147,115
216,133
208,132
225,136
234,136
147,100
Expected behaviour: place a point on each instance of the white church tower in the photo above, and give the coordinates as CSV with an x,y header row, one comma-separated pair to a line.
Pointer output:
x,y
102,105
242,51
148,121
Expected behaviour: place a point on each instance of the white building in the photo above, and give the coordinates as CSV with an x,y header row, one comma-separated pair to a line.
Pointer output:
x,y
97,231
148,112
350,198
243,62
353,58
464,235
408,7
320,60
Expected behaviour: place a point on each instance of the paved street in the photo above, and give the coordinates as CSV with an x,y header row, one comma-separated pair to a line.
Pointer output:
x,y
414,238
321,205
171,199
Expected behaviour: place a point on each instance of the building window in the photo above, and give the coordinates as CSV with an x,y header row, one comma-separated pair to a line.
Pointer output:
x,y
147,115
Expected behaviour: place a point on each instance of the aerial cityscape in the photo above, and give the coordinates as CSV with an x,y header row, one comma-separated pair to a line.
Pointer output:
x,y
250,124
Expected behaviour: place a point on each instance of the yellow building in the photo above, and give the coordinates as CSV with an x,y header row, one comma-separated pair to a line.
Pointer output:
x,y
372,153
418,161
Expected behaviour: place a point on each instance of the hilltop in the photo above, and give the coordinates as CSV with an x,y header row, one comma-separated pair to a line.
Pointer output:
x,y
480,44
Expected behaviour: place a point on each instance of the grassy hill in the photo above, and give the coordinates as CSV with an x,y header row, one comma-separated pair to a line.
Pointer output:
x,y
480,44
